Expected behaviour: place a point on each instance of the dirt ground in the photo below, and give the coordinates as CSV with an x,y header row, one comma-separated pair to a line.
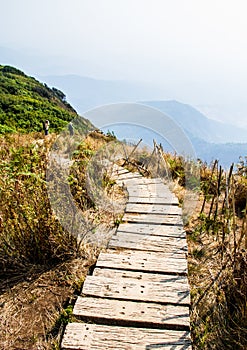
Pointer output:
x,y
33,311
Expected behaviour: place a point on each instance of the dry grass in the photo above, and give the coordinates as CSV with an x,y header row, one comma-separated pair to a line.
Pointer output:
x,y
42,266
218,292
218,276
217,259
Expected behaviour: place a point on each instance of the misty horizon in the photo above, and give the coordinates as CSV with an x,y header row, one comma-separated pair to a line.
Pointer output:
x,y
192,52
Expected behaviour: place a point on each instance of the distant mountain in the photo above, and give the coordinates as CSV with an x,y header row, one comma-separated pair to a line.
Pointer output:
x,y
211,139
85,93
196,124
226,153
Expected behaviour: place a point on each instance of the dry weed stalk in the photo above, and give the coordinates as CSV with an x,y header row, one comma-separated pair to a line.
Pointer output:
x,y
218,267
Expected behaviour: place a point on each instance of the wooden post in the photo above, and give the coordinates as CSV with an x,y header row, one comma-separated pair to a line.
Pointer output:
x,y
205,196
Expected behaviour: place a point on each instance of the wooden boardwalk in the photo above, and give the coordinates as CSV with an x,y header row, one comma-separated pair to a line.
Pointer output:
x,y
138,295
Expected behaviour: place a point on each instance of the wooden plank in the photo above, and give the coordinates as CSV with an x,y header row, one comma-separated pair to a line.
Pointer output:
x,y
98,337
130,313
130,289
143,261
156,190
156,209
151,186
143,193
146,193
144,181
149,243
140,276
128,175
154,230
156,187
165,200
165,219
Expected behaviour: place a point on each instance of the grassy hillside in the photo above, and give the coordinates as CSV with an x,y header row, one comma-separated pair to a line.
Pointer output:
x,y
25,103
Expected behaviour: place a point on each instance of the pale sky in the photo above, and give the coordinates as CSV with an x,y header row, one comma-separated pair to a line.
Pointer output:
x,y
195,50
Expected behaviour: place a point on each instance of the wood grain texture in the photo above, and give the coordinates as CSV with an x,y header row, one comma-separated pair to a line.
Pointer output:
x,y
164,219
144,261
80,336
125,175
131,313
129,289
143,191
140,180
119,274
164,244
153,208
152,229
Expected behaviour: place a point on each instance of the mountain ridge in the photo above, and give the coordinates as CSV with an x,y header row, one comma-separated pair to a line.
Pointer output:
x,y
208,129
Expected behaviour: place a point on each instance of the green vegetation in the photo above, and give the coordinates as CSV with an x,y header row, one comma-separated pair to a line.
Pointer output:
x,y
25,103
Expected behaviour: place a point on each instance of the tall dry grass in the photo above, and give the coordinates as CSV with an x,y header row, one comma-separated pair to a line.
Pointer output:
x,y
30,233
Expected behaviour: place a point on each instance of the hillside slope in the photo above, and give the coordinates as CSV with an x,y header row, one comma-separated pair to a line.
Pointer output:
x,y
25,103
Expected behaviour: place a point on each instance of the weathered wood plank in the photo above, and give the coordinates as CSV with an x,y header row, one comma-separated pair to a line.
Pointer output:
x,y
153,230
149,243
152,195
143,261
151,186
149,183
128,175
97,337
165,219
145,191
155,209
140,276
130,289
143,181
130,313
165,200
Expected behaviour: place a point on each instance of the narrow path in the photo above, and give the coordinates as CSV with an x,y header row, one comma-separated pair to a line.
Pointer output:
x,y
138,295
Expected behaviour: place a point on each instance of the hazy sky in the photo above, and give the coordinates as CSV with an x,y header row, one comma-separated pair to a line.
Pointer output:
x,y
195,50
